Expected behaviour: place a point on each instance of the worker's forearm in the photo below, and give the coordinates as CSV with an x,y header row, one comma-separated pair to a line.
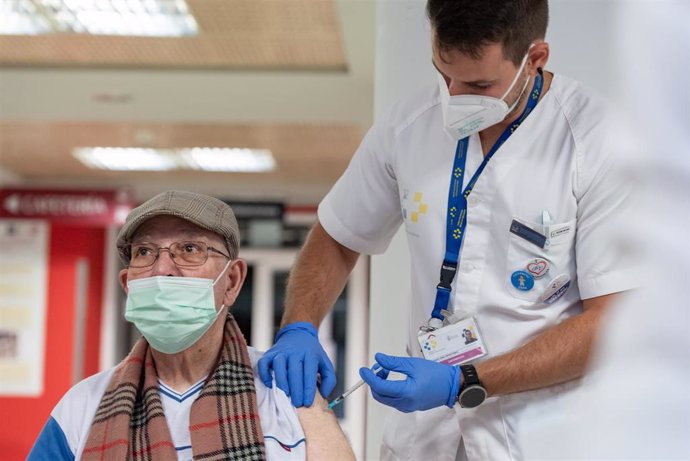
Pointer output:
x,y
557,355
318,277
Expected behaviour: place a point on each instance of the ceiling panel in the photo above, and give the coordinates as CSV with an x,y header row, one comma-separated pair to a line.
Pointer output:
x,y
276,96
304,154
233,34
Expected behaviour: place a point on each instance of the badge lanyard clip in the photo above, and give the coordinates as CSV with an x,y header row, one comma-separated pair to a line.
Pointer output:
x,y
448,270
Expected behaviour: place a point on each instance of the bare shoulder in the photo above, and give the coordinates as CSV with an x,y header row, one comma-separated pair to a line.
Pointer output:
x,y
325,440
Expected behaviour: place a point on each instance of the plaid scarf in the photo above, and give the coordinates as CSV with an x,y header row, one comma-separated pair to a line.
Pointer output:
x,y
224,420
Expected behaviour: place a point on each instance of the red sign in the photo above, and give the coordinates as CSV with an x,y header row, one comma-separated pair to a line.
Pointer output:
x,y
83,207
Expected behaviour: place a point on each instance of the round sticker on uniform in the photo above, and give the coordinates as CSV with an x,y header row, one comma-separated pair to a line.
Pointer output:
x,y
557,288
522,280
538,267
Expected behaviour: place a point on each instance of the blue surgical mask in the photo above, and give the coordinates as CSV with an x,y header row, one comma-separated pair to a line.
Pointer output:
x,y
172,313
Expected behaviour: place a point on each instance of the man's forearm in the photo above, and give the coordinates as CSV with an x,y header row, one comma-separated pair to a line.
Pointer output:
x,y
318,278
559,354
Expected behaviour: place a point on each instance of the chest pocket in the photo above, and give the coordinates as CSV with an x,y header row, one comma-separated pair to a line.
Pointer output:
x,y
558,255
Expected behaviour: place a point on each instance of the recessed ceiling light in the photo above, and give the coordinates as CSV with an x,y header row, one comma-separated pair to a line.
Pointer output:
x,y
126,158
229,159
147,18
238,160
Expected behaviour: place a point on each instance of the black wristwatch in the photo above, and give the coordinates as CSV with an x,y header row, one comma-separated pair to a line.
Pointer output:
x,y
472,393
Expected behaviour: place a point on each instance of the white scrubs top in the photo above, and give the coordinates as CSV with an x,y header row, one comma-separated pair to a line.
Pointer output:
x,y
65,434
560,160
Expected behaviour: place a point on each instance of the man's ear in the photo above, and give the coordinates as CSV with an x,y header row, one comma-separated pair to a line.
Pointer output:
x,y
236,274
123,279
538,57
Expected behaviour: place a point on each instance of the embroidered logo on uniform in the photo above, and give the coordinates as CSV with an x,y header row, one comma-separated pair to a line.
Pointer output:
x,y
419,206
413,209
561,231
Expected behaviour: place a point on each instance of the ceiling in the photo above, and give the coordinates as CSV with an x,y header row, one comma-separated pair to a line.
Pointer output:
x,y
295,77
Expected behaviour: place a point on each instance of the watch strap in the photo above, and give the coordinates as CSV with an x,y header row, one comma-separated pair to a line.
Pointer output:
x,y
469,376
472,392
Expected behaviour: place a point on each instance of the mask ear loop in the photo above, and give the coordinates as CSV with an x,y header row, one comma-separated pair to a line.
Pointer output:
x,y
222,272
216,281
524,87
522,66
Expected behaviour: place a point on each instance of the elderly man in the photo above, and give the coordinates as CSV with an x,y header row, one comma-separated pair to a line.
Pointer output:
x,y
188,388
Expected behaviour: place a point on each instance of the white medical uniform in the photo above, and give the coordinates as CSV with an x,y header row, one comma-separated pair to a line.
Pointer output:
x,y
67,430
560,160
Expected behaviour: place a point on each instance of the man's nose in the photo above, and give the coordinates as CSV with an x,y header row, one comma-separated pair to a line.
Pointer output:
x,y
453,88
164,264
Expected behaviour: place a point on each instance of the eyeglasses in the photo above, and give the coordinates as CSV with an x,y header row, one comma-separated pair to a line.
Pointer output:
x,y
184,254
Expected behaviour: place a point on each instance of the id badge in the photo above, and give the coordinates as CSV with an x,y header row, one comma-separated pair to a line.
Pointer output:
x,y
453,344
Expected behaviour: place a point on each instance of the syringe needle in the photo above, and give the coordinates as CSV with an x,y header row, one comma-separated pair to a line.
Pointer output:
x,y
334,402
350,390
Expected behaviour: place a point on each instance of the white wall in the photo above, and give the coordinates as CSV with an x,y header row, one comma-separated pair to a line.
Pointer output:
x,y
581,47
402,63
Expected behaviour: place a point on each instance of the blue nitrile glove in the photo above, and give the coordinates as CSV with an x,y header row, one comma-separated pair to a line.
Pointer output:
x,y
428,384
296,358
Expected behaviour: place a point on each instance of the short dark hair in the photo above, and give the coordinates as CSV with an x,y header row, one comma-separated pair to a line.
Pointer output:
x,y
469,25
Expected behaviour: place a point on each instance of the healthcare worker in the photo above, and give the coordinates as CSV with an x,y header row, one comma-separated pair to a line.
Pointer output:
x,y
505,178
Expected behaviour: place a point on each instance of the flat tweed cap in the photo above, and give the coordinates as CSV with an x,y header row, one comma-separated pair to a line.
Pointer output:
x,y
204,211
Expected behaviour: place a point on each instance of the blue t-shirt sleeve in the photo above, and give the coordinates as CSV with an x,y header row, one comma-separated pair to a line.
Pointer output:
x,y
51,444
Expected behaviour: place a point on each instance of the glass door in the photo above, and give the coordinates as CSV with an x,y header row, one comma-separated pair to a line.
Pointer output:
x,y
343,333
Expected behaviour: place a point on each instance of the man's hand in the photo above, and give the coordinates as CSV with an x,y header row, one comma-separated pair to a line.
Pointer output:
x,y
428,384
296,358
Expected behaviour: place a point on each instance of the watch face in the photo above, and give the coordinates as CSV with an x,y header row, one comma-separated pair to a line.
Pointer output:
x,y
472,396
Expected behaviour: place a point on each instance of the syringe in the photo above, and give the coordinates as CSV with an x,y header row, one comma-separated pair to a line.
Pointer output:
x,y
349,391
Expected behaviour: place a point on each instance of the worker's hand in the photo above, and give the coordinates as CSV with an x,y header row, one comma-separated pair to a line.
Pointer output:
x,y
296,358
427,385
